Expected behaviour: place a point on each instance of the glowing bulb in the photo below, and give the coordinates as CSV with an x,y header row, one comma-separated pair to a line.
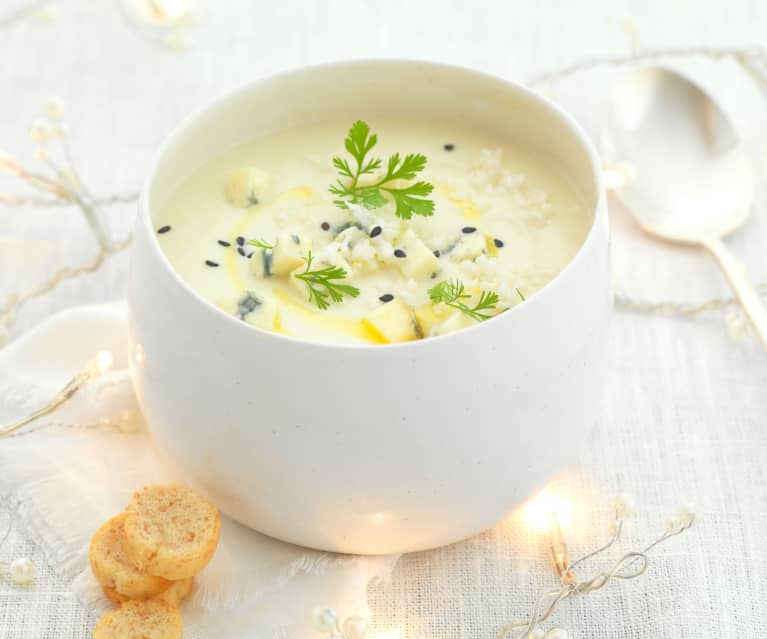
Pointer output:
x,y
170,10
378,518
99,365
9,164
104,361
618,174
540,510
550,512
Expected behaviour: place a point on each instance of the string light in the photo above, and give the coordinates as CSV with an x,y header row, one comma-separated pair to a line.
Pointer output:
x,y
538,511
170,10
546,512
549,512
664,307
93,369
630,566
165,22
558,548
753,60
57,184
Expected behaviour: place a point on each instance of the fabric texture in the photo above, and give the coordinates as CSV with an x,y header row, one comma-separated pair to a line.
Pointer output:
x,y
75,469
684,406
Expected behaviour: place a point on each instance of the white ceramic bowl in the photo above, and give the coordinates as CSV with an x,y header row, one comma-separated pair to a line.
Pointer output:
x,y
412,445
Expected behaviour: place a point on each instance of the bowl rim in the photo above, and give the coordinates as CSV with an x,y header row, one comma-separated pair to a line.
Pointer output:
x,y
598,211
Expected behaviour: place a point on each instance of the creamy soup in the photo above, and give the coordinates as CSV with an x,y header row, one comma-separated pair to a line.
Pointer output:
x,y
472,233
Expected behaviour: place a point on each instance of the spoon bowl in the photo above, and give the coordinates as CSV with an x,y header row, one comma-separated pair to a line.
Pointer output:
x,y
693,179
692,182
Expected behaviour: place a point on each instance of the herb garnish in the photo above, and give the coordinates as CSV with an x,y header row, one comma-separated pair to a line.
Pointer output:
x,y
262,243
451,294
321,278
409,200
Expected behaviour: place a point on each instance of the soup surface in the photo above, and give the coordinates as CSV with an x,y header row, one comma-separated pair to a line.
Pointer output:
x,y
470,230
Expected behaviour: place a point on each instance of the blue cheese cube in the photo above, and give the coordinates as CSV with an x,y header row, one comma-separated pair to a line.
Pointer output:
x,y
469,247
288,253
254,308
394,321
257,309
261,262
245,187
419,260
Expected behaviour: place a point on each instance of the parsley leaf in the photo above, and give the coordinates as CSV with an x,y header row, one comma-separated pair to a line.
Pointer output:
x,y
408,200
320,285
452,294
262,243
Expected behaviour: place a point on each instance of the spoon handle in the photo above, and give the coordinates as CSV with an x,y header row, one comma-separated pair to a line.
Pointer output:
x,y
736,273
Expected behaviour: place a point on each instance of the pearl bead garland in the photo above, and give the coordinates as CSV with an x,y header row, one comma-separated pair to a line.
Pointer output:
x,y
686,514
54,108
554,633
630,566
22,571
624,505
324,619
684,518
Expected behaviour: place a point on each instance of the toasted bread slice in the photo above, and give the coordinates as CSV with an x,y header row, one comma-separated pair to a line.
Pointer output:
x,y
140,619
170,531
174,595
113,568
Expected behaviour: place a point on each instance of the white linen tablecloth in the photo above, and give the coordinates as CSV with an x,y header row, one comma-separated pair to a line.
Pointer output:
x,y
685,404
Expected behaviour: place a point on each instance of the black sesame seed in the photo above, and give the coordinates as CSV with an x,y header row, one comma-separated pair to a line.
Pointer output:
x,y
375,231
469,229
325,226
388,297
224,243
449,147
241,251
437,253
399,253
250,254
211,263
163,229
498,243
240,240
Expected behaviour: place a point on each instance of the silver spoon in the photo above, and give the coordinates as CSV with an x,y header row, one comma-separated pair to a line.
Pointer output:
x,y
693,183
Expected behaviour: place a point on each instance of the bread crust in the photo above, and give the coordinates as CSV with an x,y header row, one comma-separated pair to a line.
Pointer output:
x,y
113,568
173,596
141,618
171,531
